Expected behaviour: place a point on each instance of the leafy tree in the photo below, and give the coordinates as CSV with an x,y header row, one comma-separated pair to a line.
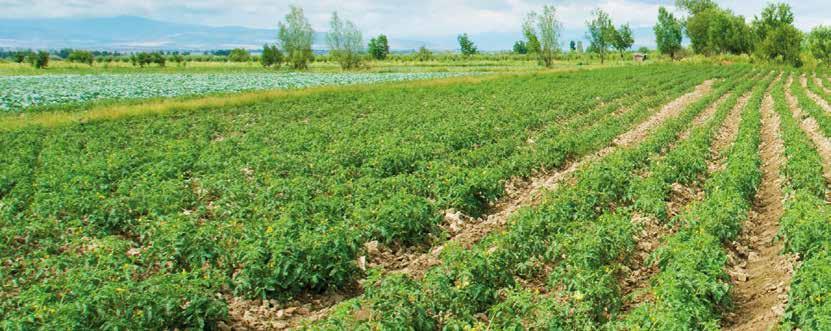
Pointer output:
x,y
772,17
542,32
272,57
819,43
296,37
782,45
572,46
466,45
64,53
424,54
239,55
21,56
779,40
379,47
38,60
695,7
601,33
668,33
623,39
345,42
79,56
520,47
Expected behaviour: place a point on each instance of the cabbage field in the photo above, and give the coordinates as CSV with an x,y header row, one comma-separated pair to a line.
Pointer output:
x,y
19,93
651,197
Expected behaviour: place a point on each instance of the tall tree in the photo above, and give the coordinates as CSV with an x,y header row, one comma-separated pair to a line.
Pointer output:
x,y
379,47
466,45
543,33
623,39
779,40
296,37
601,33
668,33
345,42
819,43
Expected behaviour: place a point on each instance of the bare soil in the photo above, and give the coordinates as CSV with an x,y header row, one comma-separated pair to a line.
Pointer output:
x,y
466,231
760,273
817,99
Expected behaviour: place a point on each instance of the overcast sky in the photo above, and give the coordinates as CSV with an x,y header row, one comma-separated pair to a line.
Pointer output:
x,y
401,18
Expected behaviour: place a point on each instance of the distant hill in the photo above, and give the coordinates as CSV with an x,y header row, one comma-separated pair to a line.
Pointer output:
x,y
137,33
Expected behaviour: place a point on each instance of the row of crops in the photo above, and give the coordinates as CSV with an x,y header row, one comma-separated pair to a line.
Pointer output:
x,y
152,222
22,93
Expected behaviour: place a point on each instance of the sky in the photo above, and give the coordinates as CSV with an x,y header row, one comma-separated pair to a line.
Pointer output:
x,y
402,19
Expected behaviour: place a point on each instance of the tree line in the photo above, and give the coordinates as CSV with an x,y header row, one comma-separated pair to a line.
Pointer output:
x,y
771,36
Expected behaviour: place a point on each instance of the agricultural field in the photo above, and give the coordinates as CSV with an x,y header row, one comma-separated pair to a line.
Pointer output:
x,y
667,197
24,93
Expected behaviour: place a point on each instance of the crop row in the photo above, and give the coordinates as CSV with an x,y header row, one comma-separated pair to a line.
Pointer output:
x,y
692,288
139,223
19,93
472,281
805,223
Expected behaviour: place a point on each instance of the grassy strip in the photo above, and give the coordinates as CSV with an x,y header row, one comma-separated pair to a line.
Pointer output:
x,y
470,280
805,224
692,287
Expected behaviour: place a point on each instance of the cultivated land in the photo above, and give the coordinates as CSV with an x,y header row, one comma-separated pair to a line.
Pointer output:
x,y
636,197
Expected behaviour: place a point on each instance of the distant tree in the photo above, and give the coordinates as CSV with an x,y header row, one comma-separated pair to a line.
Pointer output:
x,y
601,33
542,32
142,59
296,37
239,55
21,56
779,40
623,39
572,45
466,45
819,43
271,57
520,47
379,47
668,33
64,53
643,50
79,56
345,42
38,60
424,54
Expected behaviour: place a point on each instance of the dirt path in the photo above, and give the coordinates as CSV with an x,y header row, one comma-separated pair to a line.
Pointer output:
x,y
817,99
255,314
761,275
812,129
636,281
821,84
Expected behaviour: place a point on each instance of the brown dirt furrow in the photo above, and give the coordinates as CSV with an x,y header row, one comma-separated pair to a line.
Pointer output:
x,y
821,84
465,231
812,129
726,136
639,273
760,274
817,99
